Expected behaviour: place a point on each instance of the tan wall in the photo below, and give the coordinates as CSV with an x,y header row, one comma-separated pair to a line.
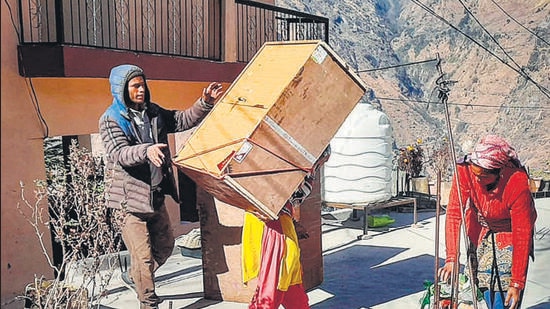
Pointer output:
x,y
72,106
22,160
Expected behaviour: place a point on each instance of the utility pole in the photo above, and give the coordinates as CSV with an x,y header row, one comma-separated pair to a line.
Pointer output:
x,y
443,88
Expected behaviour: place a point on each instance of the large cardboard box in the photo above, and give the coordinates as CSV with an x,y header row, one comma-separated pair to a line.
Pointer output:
x,y
254,148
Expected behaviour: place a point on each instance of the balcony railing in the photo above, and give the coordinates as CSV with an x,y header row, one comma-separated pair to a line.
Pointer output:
x,y
258,23
189,28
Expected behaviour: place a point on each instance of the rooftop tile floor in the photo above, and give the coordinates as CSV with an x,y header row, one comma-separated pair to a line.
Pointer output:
x,y
386,271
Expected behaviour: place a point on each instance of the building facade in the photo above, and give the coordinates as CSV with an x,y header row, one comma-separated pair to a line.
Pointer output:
x,y
56,58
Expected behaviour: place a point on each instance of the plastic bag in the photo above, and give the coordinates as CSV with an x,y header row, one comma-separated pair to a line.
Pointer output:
x,y
465,300
379,221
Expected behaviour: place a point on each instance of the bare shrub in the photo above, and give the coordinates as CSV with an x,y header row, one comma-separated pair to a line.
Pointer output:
x,y
72,204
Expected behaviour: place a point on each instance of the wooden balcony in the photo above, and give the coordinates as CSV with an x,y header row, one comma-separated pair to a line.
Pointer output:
x,y
196,40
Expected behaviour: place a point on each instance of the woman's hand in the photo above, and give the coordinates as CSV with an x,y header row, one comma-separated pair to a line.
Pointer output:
x,y
211,93
512,298
445,272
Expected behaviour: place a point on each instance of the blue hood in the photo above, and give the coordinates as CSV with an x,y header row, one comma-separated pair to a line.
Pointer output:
x,y
118,111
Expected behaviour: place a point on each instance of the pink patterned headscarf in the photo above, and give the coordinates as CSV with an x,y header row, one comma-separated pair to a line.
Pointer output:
x,y
494,152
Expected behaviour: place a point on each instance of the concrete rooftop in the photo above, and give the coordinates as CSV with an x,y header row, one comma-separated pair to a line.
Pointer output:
x,y
386,271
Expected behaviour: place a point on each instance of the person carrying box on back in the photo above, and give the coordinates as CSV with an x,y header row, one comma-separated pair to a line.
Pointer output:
x,y
270,251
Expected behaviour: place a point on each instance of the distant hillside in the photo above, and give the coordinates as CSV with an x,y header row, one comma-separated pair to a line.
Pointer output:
x,y
488,96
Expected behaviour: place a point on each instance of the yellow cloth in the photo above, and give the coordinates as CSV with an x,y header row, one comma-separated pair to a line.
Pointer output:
x,y
253,229
291,269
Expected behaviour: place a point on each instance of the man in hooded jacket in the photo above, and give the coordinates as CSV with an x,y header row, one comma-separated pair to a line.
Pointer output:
x,y
139,172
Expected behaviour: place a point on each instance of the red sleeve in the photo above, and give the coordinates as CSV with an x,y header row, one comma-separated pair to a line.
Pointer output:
x,y
523,216
453,217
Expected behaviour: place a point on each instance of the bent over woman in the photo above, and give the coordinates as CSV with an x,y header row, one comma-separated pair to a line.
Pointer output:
x,y
499,214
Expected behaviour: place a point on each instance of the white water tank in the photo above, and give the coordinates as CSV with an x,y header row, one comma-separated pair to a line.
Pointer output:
x,y
359,169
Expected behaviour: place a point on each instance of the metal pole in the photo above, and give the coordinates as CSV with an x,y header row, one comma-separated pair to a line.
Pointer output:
x,y
437,214
443,91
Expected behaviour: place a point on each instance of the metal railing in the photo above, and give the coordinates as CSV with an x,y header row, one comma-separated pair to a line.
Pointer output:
x,y
189,28
258,23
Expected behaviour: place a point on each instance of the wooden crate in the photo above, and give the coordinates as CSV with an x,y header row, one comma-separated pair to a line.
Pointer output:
x,y
221,232
254,148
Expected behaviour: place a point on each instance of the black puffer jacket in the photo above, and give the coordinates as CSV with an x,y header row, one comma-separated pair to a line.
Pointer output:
x,y
128,175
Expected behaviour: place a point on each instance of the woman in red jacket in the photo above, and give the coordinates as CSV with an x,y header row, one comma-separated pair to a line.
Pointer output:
x,y
500,216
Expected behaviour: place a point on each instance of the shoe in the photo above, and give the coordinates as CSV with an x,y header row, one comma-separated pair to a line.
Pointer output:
x,y
191,240
127,280
152,302
153,305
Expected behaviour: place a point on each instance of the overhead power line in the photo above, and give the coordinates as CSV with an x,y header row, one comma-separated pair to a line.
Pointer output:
x,y
543,89
489,34
521,25
461,104
396,66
